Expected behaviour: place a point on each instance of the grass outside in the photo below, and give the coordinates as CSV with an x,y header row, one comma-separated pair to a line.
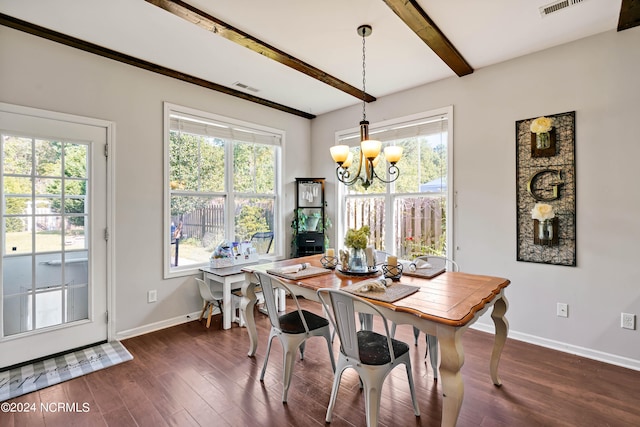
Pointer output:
x,y
45,242
189,253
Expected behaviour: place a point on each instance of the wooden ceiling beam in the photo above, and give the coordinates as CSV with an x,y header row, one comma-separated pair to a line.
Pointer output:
x,y
64,39
221,28
629,14
417,19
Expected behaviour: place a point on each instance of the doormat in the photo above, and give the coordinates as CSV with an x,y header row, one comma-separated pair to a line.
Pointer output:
x,y
44,373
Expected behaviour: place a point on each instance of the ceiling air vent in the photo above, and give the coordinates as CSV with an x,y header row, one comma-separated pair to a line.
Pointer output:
x,y
246,87
557,6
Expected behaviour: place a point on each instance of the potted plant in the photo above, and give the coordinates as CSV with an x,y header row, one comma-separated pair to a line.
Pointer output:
x,y
312,221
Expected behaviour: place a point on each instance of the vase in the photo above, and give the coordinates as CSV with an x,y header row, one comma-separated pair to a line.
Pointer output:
x,y
357,260
545,230
543,140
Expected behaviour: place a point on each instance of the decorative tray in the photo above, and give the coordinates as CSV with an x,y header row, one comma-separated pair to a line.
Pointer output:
x,y
370,273
392,294
425,273
302,274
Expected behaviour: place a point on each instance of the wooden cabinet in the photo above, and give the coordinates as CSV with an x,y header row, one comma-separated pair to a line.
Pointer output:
x,y
309,217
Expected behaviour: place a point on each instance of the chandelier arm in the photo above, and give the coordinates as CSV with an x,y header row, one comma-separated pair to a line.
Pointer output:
x,y
394,173
344,176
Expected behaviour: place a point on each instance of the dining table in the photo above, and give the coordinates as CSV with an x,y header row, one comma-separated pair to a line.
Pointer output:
x,y
444,306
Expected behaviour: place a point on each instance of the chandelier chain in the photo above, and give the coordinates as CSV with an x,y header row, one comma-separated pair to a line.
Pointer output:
x,y
364,79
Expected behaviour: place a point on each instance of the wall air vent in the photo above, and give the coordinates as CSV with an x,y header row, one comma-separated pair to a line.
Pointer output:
x,y
245,87
557,6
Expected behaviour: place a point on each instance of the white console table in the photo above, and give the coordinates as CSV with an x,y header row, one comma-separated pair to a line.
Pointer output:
x,y
232,278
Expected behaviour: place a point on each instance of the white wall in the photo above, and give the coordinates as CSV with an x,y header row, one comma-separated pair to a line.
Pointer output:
x,y
41,74
598,78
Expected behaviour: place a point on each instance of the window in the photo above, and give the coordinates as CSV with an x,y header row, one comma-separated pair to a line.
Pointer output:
x,y
411,216
221,184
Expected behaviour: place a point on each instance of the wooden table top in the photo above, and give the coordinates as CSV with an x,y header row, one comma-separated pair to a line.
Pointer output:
x,y
451,298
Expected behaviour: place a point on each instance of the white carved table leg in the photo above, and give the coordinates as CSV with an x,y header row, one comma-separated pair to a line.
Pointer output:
x,y
452,359
502,328
226,303
247,304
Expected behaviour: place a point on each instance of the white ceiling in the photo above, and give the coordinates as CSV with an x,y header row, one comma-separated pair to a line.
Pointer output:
x,y
321,33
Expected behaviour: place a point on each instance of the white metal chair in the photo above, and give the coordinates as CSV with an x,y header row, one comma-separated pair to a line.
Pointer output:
x,y
210,299
370,354
292,329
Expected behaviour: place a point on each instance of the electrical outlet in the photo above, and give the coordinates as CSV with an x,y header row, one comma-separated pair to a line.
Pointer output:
x,y
562,310
152,296
628,321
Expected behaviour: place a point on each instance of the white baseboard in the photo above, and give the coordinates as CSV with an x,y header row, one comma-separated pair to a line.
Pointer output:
x,y
531,339
152,327
566,348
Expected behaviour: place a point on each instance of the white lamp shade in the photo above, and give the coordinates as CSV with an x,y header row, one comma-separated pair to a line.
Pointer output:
x,y
393,153
349,160
339,153
370,148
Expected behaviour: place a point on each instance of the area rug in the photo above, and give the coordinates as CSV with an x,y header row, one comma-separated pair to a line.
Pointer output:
x,y
45,373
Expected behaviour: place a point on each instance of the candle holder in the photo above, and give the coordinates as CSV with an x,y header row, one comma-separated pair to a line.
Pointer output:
x,y
393,272
329,262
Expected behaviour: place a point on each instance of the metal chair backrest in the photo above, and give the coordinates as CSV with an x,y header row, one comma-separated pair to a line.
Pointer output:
x,y
266,282
438,261
261,239
344,319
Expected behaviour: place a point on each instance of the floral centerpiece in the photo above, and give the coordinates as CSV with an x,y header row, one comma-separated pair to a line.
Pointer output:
x,y
543,212
541,127
356,240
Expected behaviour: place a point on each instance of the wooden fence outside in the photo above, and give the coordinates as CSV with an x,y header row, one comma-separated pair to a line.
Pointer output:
x,y
367,211
207,224
420,230
419,224
204,224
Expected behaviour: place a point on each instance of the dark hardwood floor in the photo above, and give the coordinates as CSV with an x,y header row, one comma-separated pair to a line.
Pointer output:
x,y
188,376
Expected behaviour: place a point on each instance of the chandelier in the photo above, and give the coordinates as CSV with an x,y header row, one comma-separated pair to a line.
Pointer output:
x,y
369,148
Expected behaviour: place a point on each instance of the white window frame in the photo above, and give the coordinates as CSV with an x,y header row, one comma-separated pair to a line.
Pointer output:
x,y
340,136
228,194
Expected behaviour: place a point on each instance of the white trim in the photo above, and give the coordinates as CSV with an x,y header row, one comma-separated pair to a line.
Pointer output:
x,y
111,226
168,110
157,326
413,118
451,220
110,130
566,348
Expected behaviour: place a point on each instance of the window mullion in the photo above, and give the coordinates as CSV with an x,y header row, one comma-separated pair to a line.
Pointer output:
x,y
229,190
390,215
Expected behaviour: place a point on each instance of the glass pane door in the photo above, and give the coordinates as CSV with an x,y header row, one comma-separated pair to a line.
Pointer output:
x,y
45,274
53,192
